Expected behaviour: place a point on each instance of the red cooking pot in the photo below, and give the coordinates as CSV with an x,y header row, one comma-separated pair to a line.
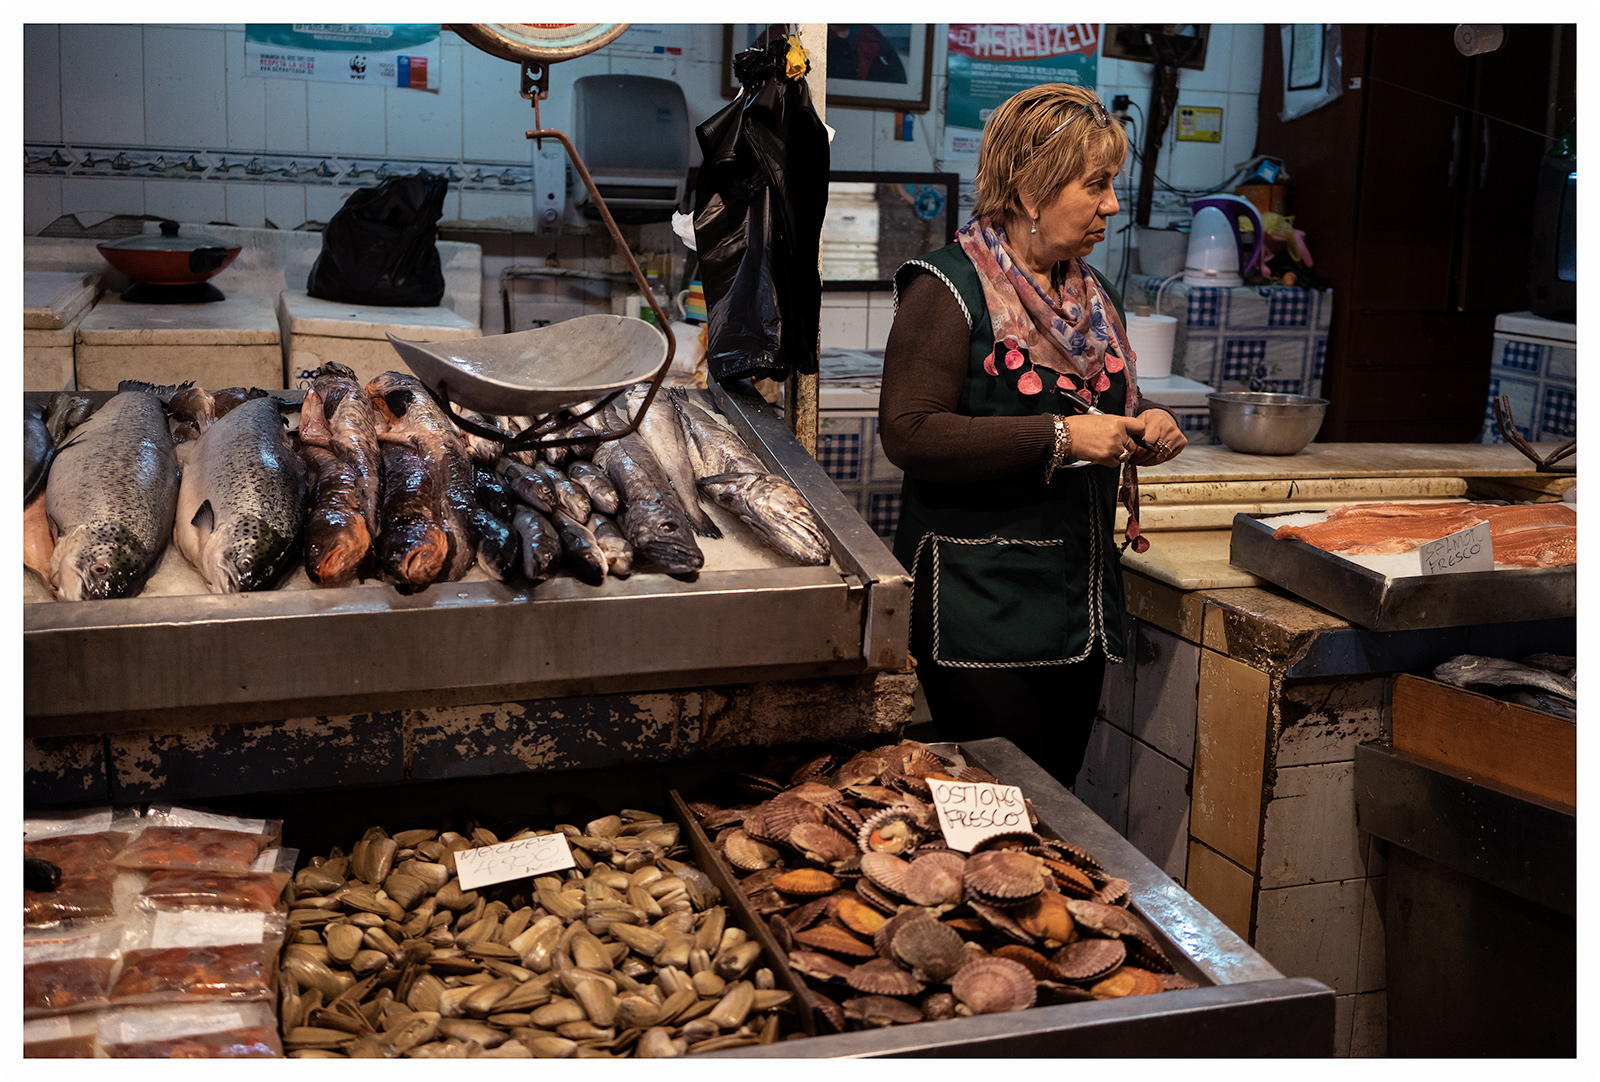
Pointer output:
x,y
171,268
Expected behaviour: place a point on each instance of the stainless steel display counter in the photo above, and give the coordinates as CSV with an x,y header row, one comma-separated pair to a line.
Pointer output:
x,y
102,665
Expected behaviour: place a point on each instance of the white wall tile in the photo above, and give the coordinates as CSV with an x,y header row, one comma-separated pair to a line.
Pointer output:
x,y
185,95
247,98
322,201
1102,784
1158,808
1196,165
1119,687
246,204
880,318
103,100
845,328
1166,698
1309,834
284,204
1372,965
493,206
1312,931
287,115
851,149
1248,42
493,115
101,194
1240,122
41,203
345,120
193,202
41,82
427,123
891,155
1219,58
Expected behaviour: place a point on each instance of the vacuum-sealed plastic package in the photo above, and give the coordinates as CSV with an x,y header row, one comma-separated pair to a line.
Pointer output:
x,y
198,955
70,973
191,1031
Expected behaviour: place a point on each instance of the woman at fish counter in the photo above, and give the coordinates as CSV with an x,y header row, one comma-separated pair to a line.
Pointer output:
x,y
1010,402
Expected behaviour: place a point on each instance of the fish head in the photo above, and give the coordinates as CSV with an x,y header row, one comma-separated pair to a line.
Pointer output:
x,y
246,553
94,564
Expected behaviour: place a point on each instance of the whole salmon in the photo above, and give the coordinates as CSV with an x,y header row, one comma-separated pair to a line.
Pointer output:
x,y
407,413
412,543
347,425
336,534
113,487
242,501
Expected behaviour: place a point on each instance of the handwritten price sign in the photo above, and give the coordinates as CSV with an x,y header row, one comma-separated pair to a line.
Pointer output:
x,y
969,812
1466,550
516,859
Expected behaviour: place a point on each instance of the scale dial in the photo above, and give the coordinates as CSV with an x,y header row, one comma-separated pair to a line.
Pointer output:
x,y
540,43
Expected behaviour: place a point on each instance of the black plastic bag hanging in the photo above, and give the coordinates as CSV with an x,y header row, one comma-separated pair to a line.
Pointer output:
x,y
759,203
381,246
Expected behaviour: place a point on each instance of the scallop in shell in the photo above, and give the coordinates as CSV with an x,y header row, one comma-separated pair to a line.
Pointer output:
x,y
881,977
881,1011
747,853
885,871
821,843
859,917
933,951
1001,921
806,881
845,818
970,773
1088,959
822,967
1031,960
1048,918
780,815
934,878
860,770
883,938
876,794
813,769
1105,919
876,897
807,915
814,792
1071,879
1114,891
1004,877
992,985
834,940
937,1006
892,830
1127,981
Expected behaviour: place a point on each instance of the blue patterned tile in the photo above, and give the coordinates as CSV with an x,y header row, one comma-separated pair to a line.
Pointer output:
x,y
1289,308
1522,356
1558,414
840,455
883,513
1242,358
1205,306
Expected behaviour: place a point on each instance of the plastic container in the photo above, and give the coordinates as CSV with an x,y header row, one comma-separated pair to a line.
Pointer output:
x,y
1153,338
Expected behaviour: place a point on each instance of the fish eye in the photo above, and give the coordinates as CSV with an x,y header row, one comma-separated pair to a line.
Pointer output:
x,y
100,570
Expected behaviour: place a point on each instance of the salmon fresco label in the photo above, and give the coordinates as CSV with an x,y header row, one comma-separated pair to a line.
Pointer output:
x,y
1464,550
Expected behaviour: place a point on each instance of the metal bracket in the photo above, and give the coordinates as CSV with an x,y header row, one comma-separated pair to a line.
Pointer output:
x,y
1507,425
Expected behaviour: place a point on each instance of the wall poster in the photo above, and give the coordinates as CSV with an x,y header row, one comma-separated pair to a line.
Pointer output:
x,y
989,62
386,54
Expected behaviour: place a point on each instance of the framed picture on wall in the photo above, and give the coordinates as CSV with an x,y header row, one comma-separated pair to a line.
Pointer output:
x,y
870,65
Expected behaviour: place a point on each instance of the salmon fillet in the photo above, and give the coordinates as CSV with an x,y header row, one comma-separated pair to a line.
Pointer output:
x,y
1520,516
1377,534
1405,510
1537,546
1526,534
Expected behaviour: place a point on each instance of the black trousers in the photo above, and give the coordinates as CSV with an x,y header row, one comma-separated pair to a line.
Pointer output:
x,y
1047,711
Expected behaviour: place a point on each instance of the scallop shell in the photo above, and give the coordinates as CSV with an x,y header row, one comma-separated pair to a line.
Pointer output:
x,y
1011,839
883,938
747,853
808,914
1146,953
821,843
1048,918
723,817
813,769
758,785
1029,959
1053,991
834,940
881,1011
1071,879
768,902
933,951
970,773
811,882
781,815
849,869
992,985
885,871
1176,982
876,794
1127,981
1114,892
1088,959
859,917
968,925
923,763
1003,877
915,785
937,1006
892,830
845,818
878,899
758,880
782,932
813,792
881,977
1001,921
860,769
822,967
1105,919
1079,856
831,1012
754,822
934,878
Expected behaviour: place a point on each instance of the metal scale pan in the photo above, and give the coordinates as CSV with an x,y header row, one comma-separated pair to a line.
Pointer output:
x,y
590,359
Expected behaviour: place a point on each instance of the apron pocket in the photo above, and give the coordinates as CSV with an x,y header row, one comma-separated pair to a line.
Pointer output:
x,y
999,601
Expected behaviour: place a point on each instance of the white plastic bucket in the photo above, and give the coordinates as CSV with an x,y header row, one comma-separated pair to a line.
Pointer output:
x,y
1152,338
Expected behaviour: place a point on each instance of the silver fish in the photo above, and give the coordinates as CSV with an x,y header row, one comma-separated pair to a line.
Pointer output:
x,y
482,449
1468,670
719,447
593,480
541,546
528,485
658,426
652,519
112,490
242,500
570,498
499,547
581,551
775,509
619,554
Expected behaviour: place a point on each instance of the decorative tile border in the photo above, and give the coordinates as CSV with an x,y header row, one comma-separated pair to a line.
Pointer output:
x,y
189,163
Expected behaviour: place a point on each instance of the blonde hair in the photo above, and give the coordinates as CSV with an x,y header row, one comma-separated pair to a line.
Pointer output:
x,y
1019,151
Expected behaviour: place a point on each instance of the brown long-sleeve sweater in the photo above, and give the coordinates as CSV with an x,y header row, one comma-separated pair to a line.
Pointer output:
x,y
924,367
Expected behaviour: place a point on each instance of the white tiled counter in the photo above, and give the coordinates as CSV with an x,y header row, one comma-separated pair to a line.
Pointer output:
x,y
315,330
53,304
226,343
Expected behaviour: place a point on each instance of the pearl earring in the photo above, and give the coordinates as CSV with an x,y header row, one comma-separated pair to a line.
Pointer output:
x,y
1035,228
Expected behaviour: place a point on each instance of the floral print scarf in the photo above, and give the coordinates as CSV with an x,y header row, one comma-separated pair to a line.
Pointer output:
x,y
1081,339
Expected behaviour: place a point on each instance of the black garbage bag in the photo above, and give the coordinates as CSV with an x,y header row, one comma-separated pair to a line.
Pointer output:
x,y
759,203
381,246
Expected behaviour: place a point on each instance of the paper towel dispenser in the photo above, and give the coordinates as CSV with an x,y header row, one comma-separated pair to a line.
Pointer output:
x,y
632,132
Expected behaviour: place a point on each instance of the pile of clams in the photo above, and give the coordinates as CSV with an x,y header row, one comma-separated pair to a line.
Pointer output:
x,y
843,855
628,954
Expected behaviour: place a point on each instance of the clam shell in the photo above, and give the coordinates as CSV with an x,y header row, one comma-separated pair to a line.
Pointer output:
x,y
935,878
1003,877
744,851
806,881
933,951
885,871
1031,960
859,917
821,843
822,967
881,977
881,1011
992,985
892,830
834,940
1127,981
1088,959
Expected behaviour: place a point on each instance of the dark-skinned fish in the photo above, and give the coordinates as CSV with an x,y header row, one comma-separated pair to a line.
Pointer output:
x,y
412,542
652,518
659,428
581,552
541,546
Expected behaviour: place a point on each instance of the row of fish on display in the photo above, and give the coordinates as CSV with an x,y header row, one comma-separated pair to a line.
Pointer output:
x,y
379,482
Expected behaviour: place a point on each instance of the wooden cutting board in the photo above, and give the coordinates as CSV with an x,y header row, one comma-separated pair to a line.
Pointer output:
x,y
1324,460
1190,560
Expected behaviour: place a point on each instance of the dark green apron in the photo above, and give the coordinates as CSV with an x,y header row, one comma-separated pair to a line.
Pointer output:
x,y
1022,573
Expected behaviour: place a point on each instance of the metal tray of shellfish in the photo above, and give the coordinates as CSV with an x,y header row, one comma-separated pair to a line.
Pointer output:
x,y
1410,602
99,666
1063,956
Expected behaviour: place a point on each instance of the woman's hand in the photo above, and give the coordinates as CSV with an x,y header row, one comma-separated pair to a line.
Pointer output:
x,y
1162,433
1104,439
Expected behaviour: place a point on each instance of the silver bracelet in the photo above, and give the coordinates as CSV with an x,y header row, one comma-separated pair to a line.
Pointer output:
x,y
1062,450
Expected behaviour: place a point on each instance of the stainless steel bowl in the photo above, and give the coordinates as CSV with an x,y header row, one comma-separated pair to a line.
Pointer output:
x,y
1260,423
